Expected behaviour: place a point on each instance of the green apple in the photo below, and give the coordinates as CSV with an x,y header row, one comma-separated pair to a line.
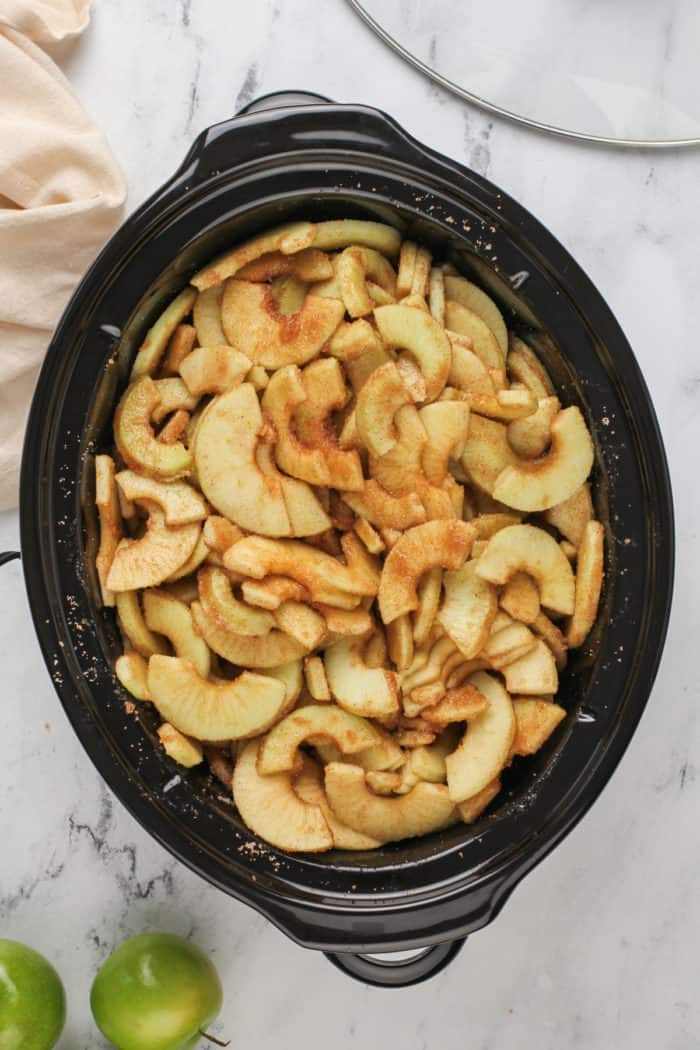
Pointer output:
x,y
32,1000
156,992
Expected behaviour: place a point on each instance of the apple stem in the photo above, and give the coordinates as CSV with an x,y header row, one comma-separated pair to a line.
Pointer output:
x,y
213,1039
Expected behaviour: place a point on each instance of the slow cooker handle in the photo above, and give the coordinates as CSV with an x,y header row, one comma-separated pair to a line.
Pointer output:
x,y
388,972
279,99
8,556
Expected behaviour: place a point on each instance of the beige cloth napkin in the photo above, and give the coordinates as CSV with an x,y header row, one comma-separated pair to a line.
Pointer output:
x,y
61,196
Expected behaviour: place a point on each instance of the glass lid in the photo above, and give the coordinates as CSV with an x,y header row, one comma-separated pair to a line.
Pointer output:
x,y
623,71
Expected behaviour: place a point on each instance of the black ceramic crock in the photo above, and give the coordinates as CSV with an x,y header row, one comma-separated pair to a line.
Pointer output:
x,y
301,157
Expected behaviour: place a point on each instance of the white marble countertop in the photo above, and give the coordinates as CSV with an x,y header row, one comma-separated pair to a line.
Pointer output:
x,y
598,948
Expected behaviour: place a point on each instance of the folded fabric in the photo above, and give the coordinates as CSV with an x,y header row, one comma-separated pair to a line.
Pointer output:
x,y
61,197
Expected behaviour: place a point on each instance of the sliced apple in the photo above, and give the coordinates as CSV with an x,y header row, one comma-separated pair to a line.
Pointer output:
x,y
399,636
289,238
228,470
154,345
217,599
507,644
424,809
179,346
214,369
180,503
384,510
399,470
132,671
459,704
135,439
148,561
436,543
460,290
180,748
520,598
292,677
302,622
534,674
468,373
260,651
446,424
316,681
524,366
421,336
345,621
309,264
473,807
513,404
436,294
407,267
555,639
431,663
320,573
353,267
253,324
231,710
378,402
165,615
279,749
529,437
385,755
535,722
272,809
339,233
429,592
421,274
352,339
526,548
109,512
360,368
272,591
572,516
173,396
199,553
534,485
488,524
468,609
589,583
466,322
206,317
133,625
308,785
299,404
358,688
485,746
487,452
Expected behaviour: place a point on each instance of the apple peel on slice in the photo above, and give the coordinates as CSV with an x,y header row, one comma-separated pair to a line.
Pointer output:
x,y
157,338
354,266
